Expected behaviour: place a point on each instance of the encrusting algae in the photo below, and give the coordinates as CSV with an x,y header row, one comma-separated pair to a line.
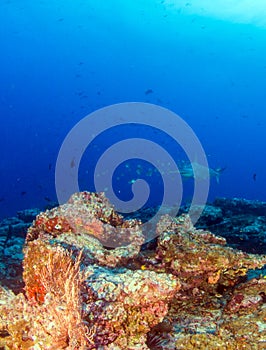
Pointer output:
x,y
89,285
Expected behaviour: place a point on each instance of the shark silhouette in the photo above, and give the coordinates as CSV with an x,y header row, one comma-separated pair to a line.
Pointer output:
x,y
201,172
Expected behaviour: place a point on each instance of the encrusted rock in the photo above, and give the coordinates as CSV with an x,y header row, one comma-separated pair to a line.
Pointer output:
x,y
240,205
119,306
88,284
199,258
126,304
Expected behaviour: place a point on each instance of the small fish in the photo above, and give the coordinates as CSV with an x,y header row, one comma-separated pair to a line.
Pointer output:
x,y
148,91
254,177
50,166
23,193
131,182
48,199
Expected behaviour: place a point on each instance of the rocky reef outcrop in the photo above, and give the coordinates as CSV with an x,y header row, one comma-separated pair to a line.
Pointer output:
x,y
241,221
90,282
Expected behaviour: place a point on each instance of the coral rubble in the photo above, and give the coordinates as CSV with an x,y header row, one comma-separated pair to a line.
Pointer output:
x,y
90,283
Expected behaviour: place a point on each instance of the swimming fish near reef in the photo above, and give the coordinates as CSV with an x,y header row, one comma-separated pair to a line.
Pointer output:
x,y
185,169
196,170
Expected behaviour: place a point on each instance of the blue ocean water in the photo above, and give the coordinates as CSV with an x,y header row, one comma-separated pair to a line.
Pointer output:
x,y
61,60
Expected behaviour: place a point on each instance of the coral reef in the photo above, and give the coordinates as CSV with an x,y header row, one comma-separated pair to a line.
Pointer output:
x,y
56,323
242,324
198,257
79,293
91,283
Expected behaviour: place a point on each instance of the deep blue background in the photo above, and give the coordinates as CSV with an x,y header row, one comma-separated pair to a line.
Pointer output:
x,y
61,60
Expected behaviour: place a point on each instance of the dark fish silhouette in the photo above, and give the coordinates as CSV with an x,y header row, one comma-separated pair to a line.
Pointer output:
x,y
72,163
148,91
254,177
